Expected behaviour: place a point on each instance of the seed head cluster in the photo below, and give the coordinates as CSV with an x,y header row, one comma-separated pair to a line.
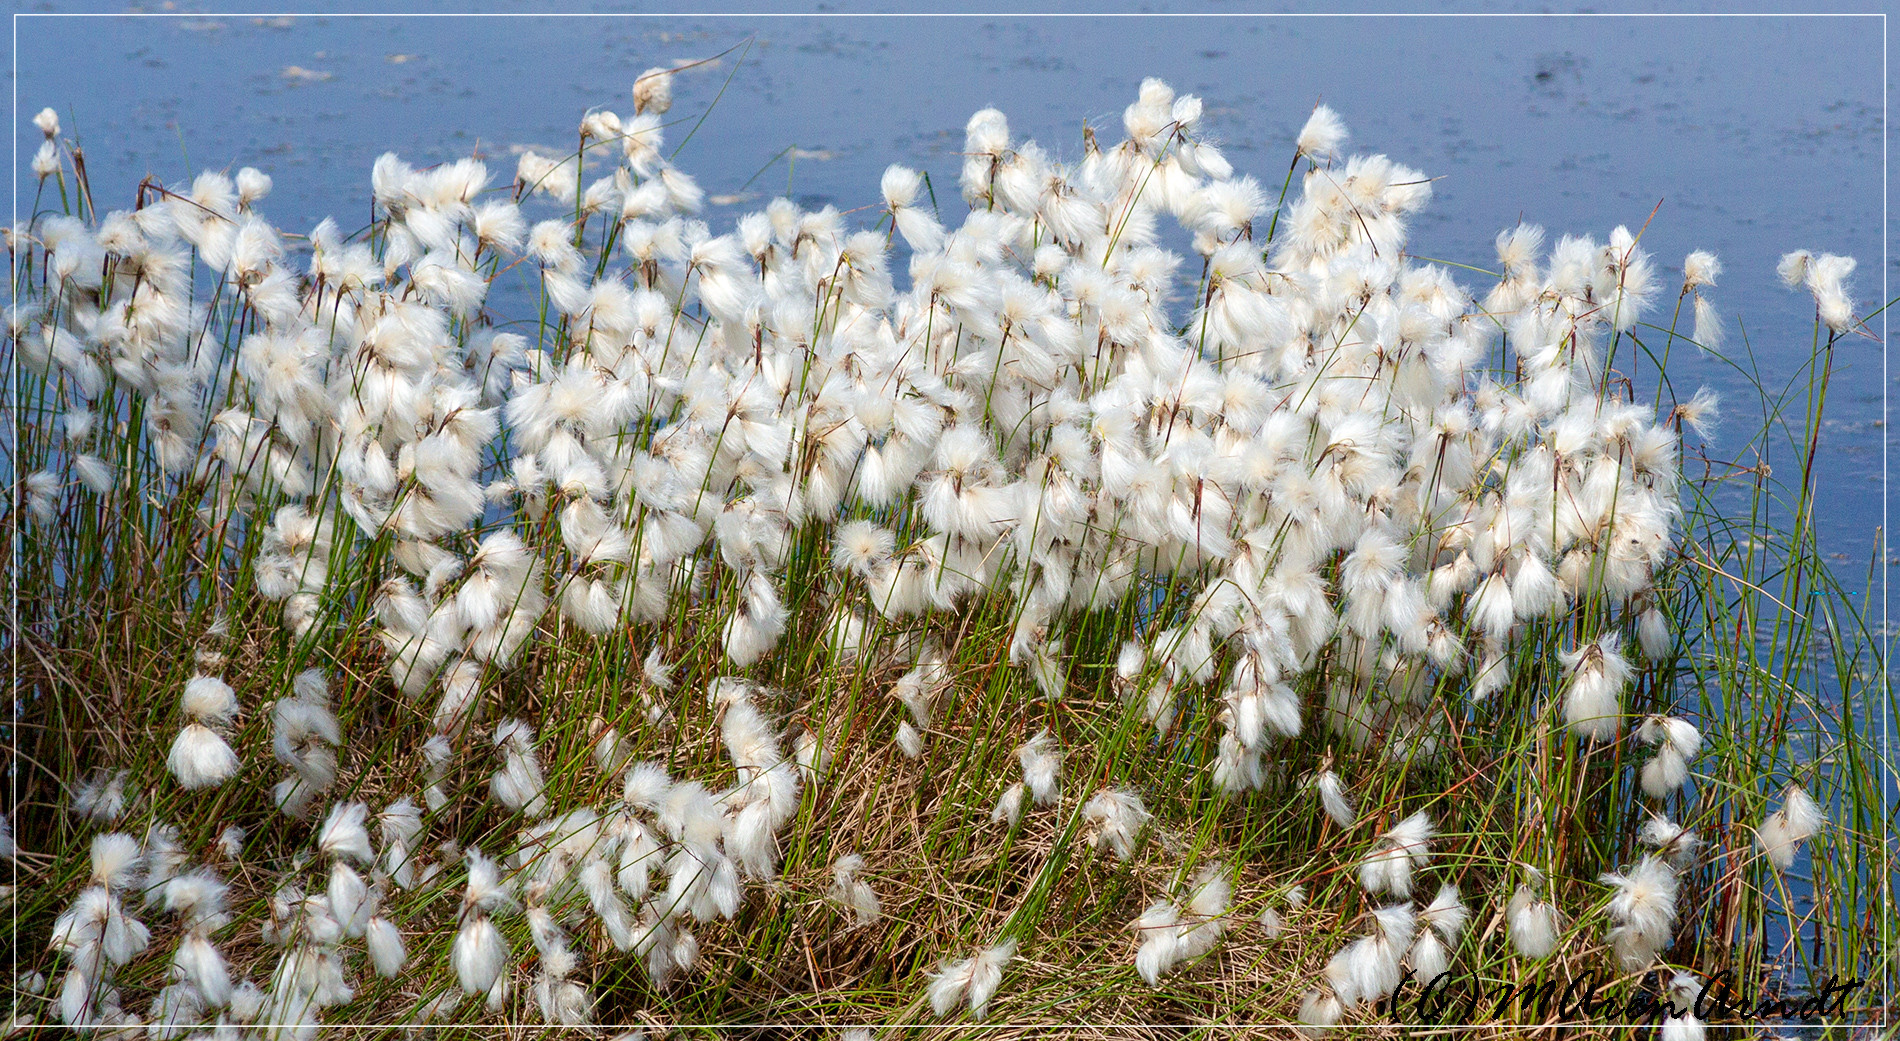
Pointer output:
x,y
1325,496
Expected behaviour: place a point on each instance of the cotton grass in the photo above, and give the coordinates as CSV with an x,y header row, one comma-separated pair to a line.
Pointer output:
x,y
834,620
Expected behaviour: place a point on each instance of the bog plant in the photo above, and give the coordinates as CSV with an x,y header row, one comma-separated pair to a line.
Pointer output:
x,y
1172,602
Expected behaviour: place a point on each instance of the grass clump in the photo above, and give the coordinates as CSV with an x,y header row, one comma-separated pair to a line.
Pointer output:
x,y
537,608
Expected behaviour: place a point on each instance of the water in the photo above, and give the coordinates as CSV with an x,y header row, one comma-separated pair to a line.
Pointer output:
x,y
1749,137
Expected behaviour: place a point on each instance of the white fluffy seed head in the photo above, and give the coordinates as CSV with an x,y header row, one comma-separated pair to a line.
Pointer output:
x,y
1010,807
1804,814
1643,908
1334,799
1041,761
1593,699
900,185
344,834
1533,924
653,91
1320,1011
1700,268
386,951
909,741
1446,914
1323,135
101,796
116,860
479,955
1429,956
1781,834
208,700
1664,774
1115,819
200,758
195,896
645,786
986,975
949,985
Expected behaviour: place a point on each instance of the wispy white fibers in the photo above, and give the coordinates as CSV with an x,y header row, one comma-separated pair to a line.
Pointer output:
x,y
852,892
480,952
1368,969
1010,806
1825,276
1700,270
1672,841
96,933
1593,696
1439,926
973,980
304,736
200,756
400,824
1115,820
1782,832
1643,910
344,833
1334,798
1387,868
1319,1012
1174,931
519,785
1680,1022
1532,919
1677,742
1041,761
1323,135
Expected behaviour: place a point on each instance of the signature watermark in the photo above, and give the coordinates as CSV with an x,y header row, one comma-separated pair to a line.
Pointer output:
x,y
1451,998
